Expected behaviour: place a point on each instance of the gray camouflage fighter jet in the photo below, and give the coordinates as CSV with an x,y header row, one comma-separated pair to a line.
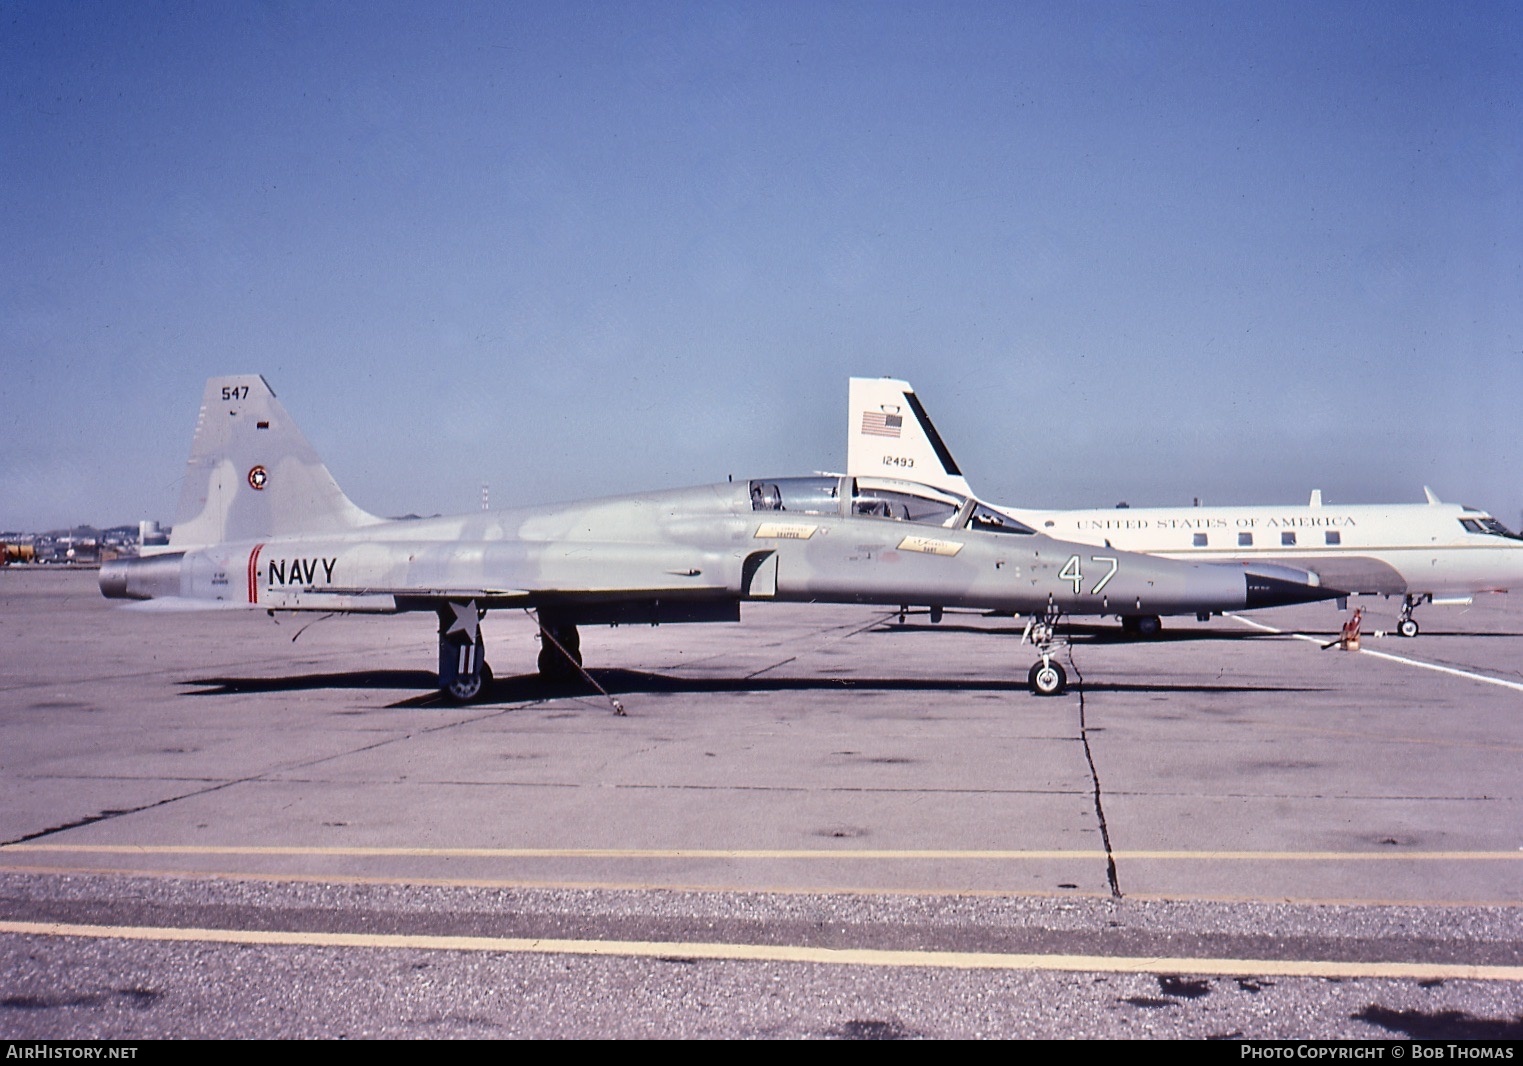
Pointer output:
x,y
263,525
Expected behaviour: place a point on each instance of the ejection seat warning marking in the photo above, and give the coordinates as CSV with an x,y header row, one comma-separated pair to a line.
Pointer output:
x,y
930,546
785,531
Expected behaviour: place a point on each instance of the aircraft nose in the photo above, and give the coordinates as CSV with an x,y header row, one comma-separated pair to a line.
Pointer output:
x,y
1266,591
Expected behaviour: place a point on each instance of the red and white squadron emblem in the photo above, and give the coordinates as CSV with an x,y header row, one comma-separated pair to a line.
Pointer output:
x,y
258,478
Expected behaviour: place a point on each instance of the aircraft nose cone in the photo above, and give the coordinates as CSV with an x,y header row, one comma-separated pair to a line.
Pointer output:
x,y
1265,591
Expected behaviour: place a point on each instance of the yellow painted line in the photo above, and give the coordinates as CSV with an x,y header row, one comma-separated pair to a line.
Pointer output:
x,y
1454,671
760,854
954,960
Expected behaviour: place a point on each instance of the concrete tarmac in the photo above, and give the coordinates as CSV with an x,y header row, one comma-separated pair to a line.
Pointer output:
x,y
819,822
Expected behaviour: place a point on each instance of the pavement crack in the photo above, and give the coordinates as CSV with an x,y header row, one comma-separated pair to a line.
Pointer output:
x,y
107,815
774,666
1094,777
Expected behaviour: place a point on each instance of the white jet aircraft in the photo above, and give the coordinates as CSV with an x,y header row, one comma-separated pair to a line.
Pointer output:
x,y
1429,552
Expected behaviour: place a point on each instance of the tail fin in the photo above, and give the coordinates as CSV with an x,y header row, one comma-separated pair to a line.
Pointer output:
x,y
252,473
888,434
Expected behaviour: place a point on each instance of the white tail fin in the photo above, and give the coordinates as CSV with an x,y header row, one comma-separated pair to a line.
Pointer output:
x,y
888,434
252,474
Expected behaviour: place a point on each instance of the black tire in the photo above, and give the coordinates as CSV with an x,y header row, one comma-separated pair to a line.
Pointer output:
x,y
555,665
1149,626
466,687
1407,627
1047,679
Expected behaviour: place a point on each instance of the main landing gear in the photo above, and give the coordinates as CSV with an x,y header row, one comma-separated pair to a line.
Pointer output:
x,y
560,652
1406,625
1146,626
463,669
560,658
1047,677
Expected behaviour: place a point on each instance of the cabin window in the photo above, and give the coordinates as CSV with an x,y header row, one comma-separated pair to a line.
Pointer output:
x,y
1245,540
1334,537
1489,526
1200,540
1287,540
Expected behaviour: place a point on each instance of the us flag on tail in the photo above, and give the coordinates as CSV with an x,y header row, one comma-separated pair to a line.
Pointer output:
x,y
881,424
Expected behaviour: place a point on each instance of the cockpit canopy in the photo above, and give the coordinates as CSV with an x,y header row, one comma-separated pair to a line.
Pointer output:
x,y
898,501
1484,523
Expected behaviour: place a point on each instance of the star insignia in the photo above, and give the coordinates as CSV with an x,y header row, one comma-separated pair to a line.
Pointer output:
x,y
466,620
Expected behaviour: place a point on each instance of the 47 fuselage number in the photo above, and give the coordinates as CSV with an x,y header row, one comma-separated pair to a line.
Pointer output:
x,y
1072,571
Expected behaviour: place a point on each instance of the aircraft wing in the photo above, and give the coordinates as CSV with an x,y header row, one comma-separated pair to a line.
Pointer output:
x,y
495,597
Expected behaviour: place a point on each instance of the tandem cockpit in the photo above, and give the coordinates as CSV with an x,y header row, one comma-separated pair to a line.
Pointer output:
x,y
898,501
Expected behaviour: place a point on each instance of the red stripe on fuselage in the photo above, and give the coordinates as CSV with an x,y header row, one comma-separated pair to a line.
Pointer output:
x,y
254,573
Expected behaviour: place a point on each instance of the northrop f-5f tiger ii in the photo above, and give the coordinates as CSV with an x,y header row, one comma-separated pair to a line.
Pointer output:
x,y
263,525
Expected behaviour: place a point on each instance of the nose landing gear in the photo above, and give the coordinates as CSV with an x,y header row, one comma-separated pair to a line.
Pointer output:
x,y
1047,677
1406,625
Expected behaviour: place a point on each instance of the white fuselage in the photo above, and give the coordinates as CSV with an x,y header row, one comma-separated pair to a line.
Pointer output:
x,y
1422,551
1432,550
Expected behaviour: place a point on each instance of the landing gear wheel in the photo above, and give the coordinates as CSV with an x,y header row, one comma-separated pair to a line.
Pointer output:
x,y
1047,679
1407,627
1145,626
465,687
554,664
463,672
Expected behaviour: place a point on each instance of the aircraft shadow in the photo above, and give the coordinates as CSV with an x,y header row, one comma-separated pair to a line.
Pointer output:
x,y
623,682
357,679
531,688
1087,634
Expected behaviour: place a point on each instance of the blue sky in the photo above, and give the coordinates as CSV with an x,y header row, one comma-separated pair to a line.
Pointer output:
x,y
1124,251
